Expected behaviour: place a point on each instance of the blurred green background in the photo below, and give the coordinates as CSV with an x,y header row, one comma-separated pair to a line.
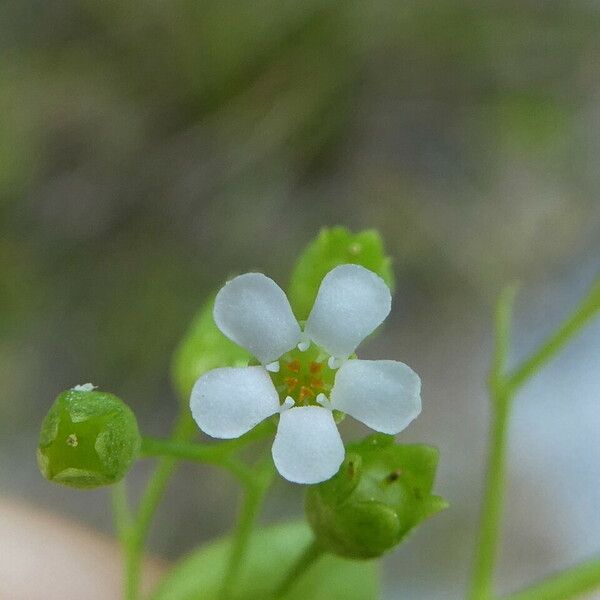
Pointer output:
x,y
148,150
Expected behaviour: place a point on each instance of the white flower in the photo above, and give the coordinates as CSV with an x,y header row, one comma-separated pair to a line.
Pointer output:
x,y
301,381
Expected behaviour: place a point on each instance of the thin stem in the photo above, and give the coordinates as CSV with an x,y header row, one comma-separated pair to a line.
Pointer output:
x,y
204,453
179,447
137,533
307,559
587,310
120,506
170,451
217,454
491,511
256,486
502,391
502,327
570,583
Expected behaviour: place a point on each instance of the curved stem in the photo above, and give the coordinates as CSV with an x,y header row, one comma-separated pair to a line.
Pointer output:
x,y
135,537
194,451
256,486
138,533
204,453
503,388
570,583
169,452
311,554
491,511
585,312
220,454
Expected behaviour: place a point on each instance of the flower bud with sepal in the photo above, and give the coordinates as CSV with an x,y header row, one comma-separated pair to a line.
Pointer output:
x,y
381,492
88,439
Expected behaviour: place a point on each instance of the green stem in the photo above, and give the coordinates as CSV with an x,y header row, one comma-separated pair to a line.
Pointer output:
x,y
502,390
204,453
138,534
169,452
491,511
585,312
217,454
120,506
311,554
194,451
135,537
256,486
570,583
502,330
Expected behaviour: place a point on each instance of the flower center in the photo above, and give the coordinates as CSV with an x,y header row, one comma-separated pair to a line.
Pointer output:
x,y
303,376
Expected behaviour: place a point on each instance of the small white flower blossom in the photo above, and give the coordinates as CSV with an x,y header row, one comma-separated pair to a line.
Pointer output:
x,y
304,383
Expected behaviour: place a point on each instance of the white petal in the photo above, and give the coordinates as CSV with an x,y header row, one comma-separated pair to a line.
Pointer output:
x,y
383,394
307,447
352,301
228,402
253,311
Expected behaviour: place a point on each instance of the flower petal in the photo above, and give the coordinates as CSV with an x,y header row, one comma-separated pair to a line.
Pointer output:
x,y
307,447
253,311
228,402
352,301
383,394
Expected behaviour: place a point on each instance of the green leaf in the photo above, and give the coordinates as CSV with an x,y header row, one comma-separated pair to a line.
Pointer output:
x,y
271,554
331,248
203,348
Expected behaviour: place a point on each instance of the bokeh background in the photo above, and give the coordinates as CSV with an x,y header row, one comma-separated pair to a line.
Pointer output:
x,y
150,149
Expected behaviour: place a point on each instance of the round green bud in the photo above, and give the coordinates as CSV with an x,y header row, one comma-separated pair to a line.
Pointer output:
x,y
381,492
88,439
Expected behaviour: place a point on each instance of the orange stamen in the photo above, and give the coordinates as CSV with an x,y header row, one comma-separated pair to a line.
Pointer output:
x,y
316,367
316,383
291,382
294,366
305,392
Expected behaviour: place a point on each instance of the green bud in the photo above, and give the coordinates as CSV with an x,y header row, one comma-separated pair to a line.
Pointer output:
x,y
331,248
88,439
381,492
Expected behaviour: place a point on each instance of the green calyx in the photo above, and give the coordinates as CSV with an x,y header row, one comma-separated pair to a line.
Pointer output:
x,y
381,492
88,439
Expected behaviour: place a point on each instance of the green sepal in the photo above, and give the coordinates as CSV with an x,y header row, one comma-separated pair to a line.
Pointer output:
x,y
331,248
381,492
203,348
88,439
